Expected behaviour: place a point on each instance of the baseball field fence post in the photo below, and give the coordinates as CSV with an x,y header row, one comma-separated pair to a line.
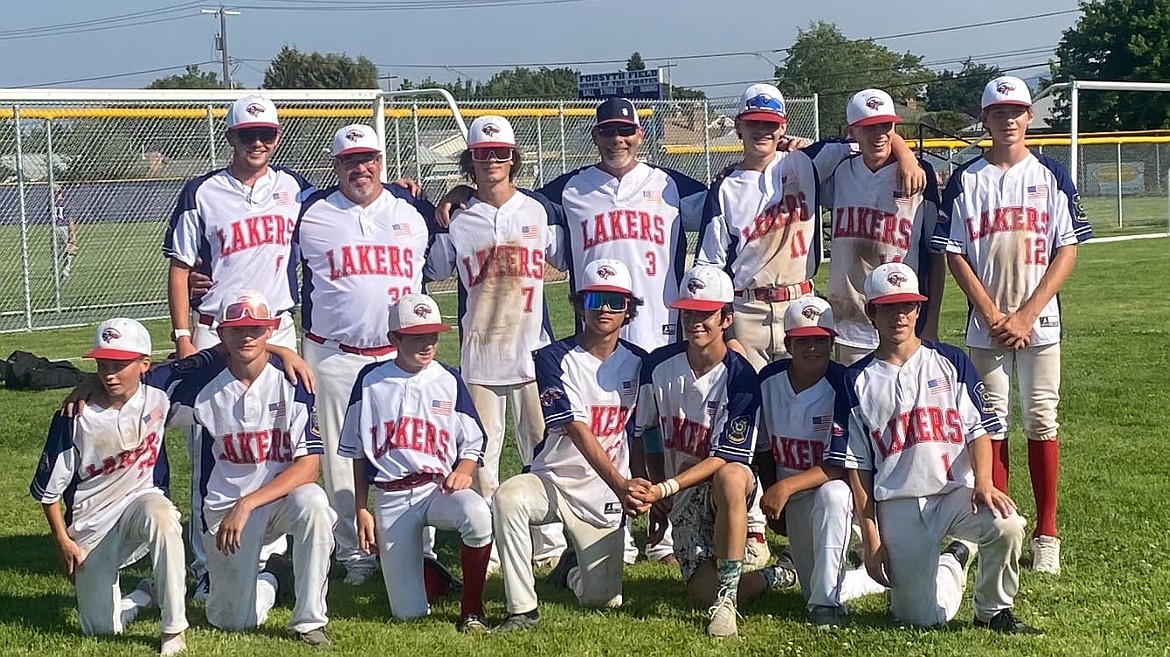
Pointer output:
x,y
1120,221
561,118
397,147
1074,109
56,248
211,141
816,98
539,153
380,128
23,219
707,139
417,143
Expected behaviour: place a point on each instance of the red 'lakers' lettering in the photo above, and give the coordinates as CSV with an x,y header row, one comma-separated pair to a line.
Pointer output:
x,y
872,224
1005,220
411,434
927,424
264,446
689,437
144,457
607,420
255,231
623,225
504,261
776,217
797,453
370,260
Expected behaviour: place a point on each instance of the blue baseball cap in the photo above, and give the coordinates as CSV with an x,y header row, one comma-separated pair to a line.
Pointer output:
x,y
617,110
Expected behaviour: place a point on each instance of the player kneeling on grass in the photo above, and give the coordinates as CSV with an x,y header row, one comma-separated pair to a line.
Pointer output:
x,y
109,464
705,398
806,404
413,434
261,462
580,472
919,452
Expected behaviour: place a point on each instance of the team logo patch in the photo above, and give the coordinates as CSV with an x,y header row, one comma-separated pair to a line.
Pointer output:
x,y
873,102
110,334
838,430
422,310
254,109
1078,208
314,426
551,396
896,279
606,272
811,312
354,135
694,285
44,465
737,432
490,129
1004,87
984,398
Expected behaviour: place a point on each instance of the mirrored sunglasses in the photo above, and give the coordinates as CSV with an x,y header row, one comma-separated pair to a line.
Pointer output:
x,y
491,154
250,135
244,309
624,130
613,301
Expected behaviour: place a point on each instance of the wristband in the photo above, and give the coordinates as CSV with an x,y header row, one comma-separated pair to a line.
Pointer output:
x,y
667,488
180,333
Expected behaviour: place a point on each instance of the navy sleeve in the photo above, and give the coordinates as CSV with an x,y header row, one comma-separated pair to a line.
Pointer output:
x,y
556,213
1064,182
554,400
843,402
687,186
60,440
555,190
736,441
971,386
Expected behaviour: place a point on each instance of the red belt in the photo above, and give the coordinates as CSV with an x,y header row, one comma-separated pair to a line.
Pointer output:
x,y
778,294
361,351
408,482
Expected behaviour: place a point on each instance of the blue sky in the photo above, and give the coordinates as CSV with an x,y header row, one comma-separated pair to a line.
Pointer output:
x,y
400,41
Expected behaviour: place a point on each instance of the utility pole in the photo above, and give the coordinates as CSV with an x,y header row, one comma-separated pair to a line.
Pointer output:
x,y
669,87
222,40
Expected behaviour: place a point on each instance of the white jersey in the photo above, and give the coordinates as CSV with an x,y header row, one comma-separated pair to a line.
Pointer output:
x,y
499,255
249,435
406,424
711,415
577,387
240,235
763,228
640,221
807,428
102,460
872,225
356,262
1009,225
910,425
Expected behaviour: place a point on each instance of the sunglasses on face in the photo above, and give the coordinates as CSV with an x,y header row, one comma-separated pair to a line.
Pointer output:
x,y
624,130
612,301
491,154
237,311
251,135
356,159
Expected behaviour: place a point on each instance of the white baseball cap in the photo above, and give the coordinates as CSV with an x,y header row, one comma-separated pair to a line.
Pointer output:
x,y
120,339
606,276
893,282
416,314
704,288
355,138
871,106
250,308
252,112
762,102
809,316
489,130
1006,90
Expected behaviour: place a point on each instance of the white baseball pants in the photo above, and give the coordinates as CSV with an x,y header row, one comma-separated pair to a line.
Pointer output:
x,y
927,588
818,523
528,500
149,521
400,517
237,599
759,327
1037,370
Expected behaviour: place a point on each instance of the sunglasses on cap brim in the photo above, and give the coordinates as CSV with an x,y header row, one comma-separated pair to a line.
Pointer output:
x,y
251,135
491,154
614,301
619,129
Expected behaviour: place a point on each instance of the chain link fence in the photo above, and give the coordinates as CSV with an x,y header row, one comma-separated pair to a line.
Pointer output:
x,y
88,179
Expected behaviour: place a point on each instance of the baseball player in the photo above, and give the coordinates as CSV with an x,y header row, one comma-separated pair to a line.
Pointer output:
x,y
499,246
873,222
413,434
919,455
64,232
261,459
580,472
235,225
705,398
1010,225
108,464
362,246
806,405
760,221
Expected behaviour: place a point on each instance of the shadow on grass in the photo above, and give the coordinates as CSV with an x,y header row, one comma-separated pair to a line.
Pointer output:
x,y
28,554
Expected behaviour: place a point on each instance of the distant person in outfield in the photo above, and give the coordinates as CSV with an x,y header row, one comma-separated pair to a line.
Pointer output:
x,y
1010,224
64,232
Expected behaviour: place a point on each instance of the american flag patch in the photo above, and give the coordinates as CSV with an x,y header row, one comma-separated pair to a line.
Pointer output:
x,y
1037,191
938,386
155,415
401,229
712,408
529,232
822,423
282,198
276,410
901,199
440,407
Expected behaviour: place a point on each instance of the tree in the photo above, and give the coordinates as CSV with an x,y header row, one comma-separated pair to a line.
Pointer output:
x,y
192,79
538,83
293,69
960,91
823,61
1125,40
635,63
460,89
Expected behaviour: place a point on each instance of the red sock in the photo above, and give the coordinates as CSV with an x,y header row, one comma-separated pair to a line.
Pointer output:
x,y
1044,466
474,561
435,584
999,464
759,536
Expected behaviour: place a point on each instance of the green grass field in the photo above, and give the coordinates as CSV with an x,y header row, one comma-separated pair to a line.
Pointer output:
x,y
1109,600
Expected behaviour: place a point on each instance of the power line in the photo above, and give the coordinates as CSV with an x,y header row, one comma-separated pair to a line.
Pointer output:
x,y
135,19
112,76
403,5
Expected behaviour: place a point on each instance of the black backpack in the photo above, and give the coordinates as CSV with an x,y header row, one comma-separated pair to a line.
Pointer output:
x,y
25,371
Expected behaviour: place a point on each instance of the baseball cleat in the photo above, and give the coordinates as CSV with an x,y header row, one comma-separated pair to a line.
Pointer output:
x,y
358,572
317,637
518,622
723,616
281,568
450,584
558,577
960,552
172,644
1046,554
827,618
756,555
202,588
1005,622
473,624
